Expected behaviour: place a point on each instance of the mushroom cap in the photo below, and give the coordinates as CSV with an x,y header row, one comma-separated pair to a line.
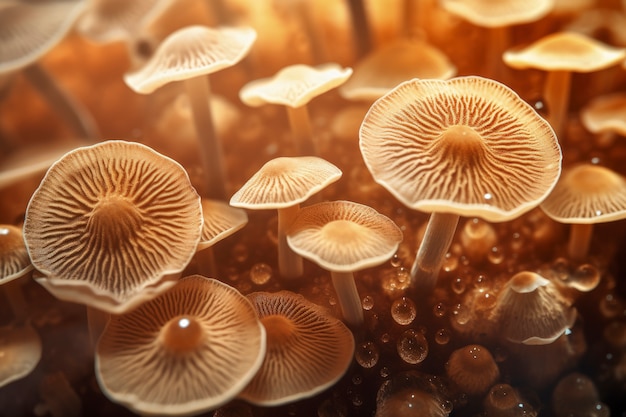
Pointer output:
x,y
21,352
530,310
14,259
469,146
486,13
220,221
343,236
308,350
294,85
393,63
191,52
187,351
473,369
284,182
112,222
565,51
606,113
587,194
29,30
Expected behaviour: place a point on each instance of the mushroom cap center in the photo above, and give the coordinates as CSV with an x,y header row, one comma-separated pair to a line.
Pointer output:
x,y
342,231
593,179
462,144
280,330
112,221
182,334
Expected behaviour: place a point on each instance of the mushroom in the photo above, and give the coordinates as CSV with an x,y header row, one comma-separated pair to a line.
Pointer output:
x,y
561,54
468,146
504,400
530,310
577,395
188,351
410,393
308,350
189,55
14,264
21,351
28,31
283,183
293,87
605,113
112,225
584,195
343,237
472,369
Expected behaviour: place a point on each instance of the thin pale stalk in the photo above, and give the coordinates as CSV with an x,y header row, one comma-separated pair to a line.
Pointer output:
x,y
301,129
348,297
360,27
290,264
556,94
96,322
579,241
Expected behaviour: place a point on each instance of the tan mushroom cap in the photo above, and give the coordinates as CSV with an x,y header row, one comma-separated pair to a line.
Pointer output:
x,y
606,113
14,259
468,146
587,194
30,30
220,221
486,13
472,369
190,52
565,51
530,310
21,352
111,222
285,181
343,236
295,85
393,63
188,351
308,350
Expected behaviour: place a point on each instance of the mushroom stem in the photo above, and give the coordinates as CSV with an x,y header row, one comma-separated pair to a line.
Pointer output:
x,y
360,27
432,251
206,260
15,298
556,94
579,241
348,297
96,322
74,114
290,264
498,41
308,23
199,91
300,124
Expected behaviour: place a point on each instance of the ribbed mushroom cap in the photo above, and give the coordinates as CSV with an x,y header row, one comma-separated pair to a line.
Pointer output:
x,y
190,52
187,351
295,85
220,221
21,352
468,146
343,236
473,369
308,350
587,194
393,63
112,222
605,113
565,51
486,13
530,310
285,181
29,30
14,259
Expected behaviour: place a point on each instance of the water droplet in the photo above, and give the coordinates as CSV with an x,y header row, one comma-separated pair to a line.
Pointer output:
x,y
611,306
598,213
442,336
412,347
403,311
367,354
450,262
585,278
495,255
357,379
461,314
260,273
458,285
384,372
482,282
488,197
385,338
396,261
439,310
240,253
368,302
561,269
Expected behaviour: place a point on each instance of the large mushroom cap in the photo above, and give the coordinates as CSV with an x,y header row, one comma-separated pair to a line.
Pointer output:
x,y
499,13
114,219
190,52
190,350
468,146
308,350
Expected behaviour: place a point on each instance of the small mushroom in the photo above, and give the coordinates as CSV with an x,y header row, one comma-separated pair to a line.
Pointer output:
x,y
14,264
293,87
605,114
472,369
188,351
283,183
343,237
308,350
21,351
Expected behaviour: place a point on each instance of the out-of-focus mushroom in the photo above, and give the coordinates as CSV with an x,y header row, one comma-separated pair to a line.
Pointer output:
x,y
606,113
14,264
112,225
408,393
577,395
283,183
343,237
21,351
472,369
188,351
505,401
561,54
190,54
28,31
584,195
468,146
308,350
293,87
